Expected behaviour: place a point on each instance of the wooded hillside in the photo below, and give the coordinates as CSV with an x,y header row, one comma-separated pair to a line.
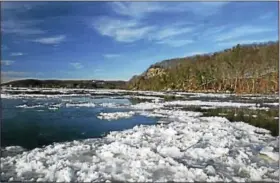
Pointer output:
x,y
241,69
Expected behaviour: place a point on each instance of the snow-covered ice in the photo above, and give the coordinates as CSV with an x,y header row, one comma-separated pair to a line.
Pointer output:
x,y
89,104
115,115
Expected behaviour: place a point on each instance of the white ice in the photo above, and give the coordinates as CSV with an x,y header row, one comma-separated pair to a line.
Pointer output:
x,y
89,104
115,115
29,107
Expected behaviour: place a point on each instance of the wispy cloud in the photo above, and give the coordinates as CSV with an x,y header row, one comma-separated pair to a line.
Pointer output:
x,y
7,62
14,54
111,55
51,40
241,31
20,27
267,16
133,30
77,65
168,32
136,9
141,9
204,8
121,30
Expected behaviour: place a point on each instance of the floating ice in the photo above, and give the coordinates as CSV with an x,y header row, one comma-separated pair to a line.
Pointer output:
x,y
29,107
115,115
206,107
273,104
259,108
53,108
210,95
109,105
143,97
80,105
147,105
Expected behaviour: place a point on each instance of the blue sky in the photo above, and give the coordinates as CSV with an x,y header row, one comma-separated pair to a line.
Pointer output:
x,y
116,40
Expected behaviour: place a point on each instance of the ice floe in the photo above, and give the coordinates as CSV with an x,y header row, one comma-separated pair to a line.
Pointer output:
x,y
210,95
80,105
259,108
273,104
29,107
115,115
147,105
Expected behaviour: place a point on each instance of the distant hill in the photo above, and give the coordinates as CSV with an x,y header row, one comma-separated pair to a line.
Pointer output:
x,y
67,84
242,69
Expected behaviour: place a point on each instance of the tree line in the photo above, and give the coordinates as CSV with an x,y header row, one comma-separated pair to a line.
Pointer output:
x,y
242,69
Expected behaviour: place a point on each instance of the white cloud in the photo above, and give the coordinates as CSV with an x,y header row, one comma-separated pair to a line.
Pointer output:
x,y
20,27
203,8
7,62
141,9
241,31
111,56
121,30
132,30
136,9
51,40
16,54
76,65
168,32
213,31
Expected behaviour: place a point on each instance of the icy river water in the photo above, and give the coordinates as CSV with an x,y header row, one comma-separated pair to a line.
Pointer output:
x,y
67,135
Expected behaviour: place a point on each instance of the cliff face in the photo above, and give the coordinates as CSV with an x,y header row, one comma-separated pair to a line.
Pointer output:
x,y
241,69
155,72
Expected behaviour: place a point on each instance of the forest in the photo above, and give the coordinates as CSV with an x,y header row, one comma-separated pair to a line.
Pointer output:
x,y
250,68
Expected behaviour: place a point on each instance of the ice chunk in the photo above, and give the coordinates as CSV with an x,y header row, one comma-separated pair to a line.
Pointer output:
x,y
80,105
115,115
